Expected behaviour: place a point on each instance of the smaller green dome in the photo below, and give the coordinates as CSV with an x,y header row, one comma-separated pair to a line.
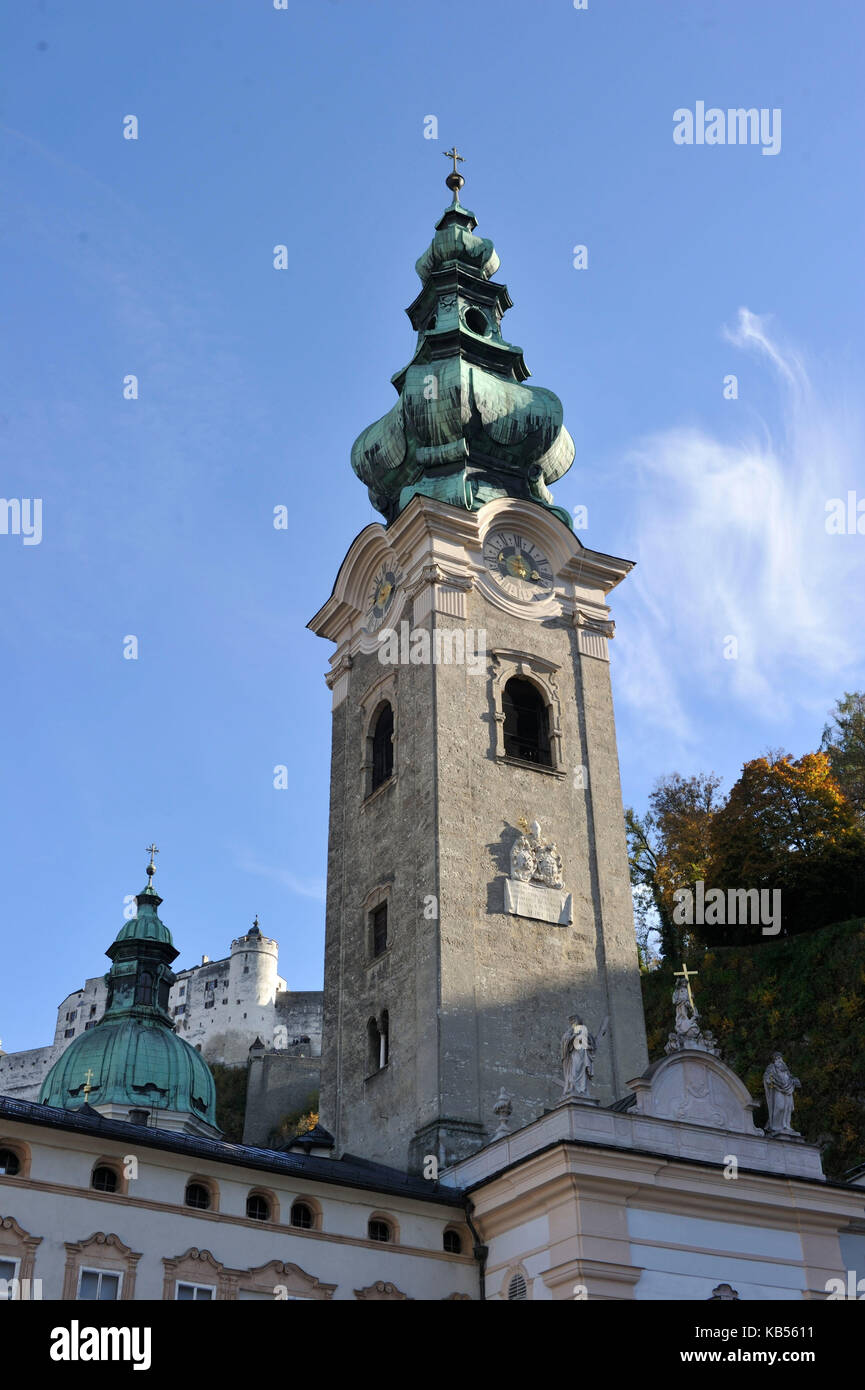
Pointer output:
x,y
132,1058
145,925
132,1062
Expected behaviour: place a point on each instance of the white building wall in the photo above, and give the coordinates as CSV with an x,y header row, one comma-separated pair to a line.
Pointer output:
x,y
686,1257
55,1203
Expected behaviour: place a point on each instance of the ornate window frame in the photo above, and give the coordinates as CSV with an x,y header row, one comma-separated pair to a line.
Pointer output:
x,y
189,1285
277,1274
102,1252
506,664
381,693
18,1245
381,1292
196,1267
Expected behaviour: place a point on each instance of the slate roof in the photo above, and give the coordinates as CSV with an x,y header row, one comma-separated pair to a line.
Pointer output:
x,y
348,1171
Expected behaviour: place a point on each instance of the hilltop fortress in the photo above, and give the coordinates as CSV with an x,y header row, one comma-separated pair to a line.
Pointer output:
x,y
234,1011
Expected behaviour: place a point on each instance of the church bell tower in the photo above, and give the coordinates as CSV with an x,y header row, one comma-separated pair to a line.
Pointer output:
x,y
478,893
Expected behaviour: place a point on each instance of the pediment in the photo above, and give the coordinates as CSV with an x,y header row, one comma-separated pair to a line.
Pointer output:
x,y
696,1088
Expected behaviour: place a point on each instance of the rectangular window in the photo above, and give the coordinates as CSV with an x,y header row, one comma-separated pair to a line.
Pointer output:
x,y
181,1009
8,1272
379,929
92,1010
183,989
196,1293
91,1022
71,1016
209,1003
70,1033
98,1285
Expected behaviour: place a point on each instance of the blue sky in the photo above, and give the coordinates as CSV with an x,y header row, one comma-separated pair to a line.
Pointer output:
x,y
154,257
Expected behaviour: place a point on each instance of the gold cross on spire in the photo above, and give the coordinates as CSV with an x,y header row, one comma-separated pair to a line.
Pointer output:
x,y
151,867
689,975
88,1077
454,155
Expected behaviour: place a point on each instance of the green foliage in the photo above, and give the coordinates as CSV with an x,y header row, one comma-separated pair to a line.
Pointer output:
x,y
844,743
787,825
668,848
803,996
231,1085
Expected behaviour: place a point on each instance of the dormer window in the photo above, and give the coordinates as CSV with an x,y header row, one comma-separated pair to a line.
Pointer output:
x,y
477,321
144,988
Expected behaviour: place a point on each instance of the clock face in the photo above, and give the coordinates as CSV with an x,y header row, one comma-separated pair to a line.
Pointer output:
x,y
519,567
381,599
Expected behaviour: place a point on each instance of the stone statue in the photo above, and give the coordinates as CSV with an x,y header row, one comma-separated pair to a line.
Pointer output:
x,y
687,1032
578,1047
779,1085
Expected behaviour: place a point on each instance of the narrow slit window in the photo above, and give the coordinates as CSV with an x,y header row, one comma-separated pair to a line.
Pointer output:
x,y
382,748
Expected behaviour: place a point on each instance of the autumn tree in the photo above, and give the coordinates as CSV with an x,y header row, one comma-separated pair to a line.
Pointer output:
x,y
787,825
669,848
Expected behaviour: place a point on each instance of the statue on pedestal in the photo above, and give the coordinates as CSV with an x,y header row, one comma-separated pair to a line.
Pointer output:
x,y
687,1032
578,1047
779,1085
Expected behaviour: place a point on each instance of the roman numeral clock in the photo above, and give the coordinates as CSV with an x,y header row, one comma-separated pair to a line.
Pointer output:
x,y
518,566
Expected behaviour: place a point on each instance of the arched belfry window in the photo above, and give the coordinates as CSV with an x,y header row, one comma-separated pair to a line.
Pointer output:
x,y
527,729
382,747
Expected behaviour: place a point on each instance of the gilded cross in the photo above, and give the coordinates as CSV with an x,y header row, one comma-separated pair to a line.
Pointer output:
x,y
151,867
88,1077
454,155
689,975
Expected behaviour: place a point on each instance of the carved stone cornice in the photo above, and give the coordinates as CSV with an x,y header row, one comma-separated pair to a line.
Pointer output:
x,y
341,667
432,573
380,1292
594,621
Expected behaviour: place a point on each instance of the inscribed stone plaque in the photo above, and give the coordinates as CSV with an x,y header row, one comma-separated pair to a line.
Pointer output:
x,y
542,904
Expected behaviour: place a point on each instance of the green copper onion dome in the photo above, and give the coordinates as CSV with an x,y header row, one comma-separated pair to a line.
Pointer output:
x,y
465,429
132,1059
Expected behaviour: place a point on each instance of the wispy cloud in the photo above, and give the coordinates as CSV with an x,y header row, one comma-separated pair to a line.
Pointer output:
x,y
733,543
303,887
